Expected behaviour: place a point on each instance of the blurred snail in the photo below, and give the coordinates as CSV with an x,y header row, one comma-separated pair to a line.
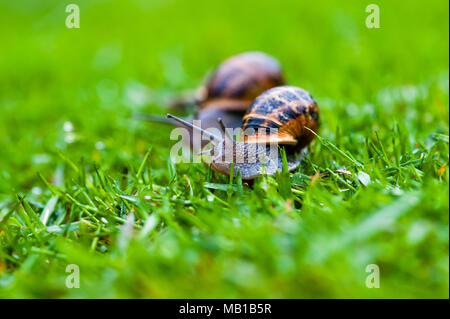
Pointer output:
x,y
229,91
234,85
282,116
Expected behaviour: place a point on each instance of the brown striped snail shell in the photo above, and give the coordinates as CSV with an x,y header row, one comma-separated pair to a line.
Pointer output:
x,y
282,116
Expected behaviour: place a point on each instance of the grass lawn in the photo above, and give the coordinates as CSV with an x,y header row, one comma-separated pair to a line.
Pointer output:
x,y
82,182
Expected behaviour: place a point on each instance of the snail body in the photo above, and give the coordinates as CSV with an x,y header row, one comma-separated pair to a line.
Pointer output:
x,y
281,116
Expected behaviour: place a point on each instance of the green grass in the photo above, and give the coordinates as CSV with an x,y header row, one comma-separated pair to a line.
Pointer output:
x,y
82,182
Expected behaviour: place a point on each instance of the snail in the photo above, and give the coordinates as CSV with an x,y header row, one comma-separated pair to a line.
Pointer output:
x,y
282,116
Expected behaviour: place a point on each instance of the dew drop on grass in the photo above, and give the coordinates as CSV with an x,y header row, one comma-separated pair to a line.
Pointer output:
x,y
68,126
38,159
36,190
364,178
99,145
69,138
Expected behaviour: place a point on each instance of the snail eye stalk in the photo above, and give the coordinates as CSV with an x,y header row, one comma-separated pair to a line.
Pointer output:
x,y
222,126
212,137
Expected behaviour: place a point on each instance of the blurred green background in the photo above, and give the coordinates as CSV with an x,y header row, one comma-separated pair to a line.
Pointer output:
x,y
67,97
